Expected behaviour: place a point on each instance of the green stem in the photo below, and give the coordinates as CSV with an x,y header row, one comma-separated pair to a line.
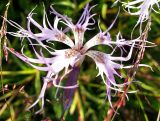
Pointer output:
x,y
140,103
24,72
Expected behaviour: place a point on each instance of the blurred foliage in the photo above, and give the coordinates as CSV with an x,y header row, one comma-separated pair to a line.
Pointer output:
x,y
20,84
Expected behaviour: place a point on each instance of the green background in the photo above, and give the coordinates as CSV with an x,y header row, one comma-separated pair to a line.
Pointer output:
x,y
22,84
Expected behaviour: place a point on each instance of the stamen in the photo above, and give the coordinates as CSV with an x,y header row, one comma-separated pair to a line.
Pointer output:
x,y
70,53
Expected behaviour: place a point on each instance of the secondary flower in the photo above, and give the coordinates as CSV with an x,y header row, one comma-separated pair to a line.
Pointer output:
x,y
142,8
69,60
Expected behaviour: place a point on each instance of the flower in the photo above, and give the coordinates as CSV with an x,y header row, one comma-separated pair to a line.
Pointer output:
x,y
142,8
69,60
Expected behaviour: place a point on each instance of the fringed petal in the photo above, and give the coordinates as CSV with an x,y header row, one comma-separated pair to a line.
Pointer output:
x,y
42,93
51,34
106,66
102,38
27,60
143,9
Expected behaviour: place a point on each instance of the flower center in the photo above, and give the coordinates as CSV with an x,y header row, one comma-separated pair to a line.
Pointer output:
x,y
70,53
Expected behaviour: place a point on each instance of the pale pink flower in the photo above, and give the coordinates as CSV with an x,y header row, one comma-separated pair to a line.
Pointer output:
x,y
141,8
71,59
